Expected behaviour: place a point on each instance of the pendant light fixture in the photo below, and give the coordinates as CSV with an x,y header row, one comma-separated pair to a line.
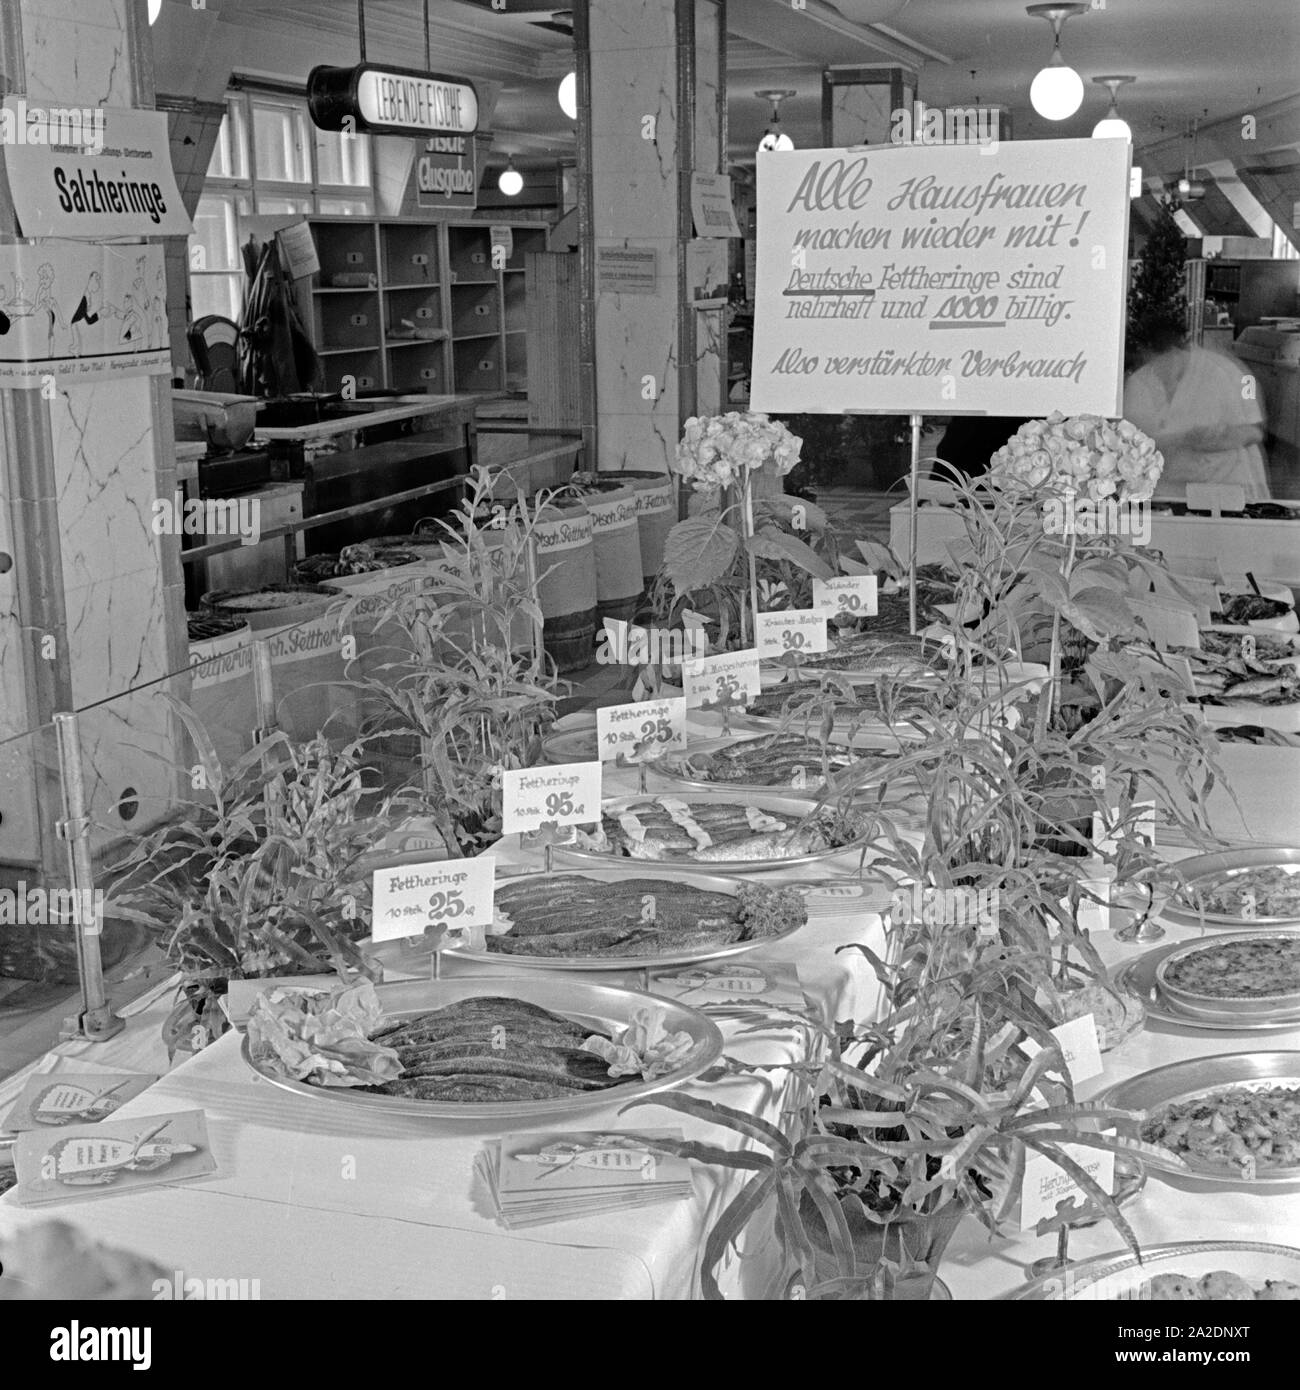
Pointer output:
x,y
511,182
568,95
774,138
1056,93
1112,125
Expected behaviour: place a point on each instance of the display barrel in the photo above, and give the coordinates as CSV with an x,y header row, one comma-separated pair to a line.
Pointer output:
x,y
221,691
566,588
616,540
656,514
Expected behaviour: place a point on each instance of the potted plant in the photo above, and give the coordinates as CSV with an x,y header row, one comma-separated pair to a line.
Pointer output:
x,y
257,877
452,684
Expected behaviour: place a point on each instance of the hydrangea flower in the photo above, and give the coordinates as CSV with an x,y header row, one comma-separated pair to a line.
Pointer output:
x,y
1087,455
719,450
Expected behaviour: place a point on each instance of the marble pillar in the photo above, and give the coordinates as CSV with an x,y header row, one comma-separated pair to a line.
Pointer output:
x,y
650,79
92,612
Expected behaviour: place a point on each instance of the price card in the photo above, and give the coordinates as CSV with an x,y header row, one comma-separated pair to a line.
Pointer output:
x,y
1079,1046
850,596
452,893
1047,1188
568,794
797,630
660,724
1169,623
708,679
1216,497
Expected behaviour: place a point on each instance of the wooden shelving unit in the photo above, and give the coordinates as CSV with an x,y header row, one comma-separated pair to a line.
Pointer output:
x,y
434,314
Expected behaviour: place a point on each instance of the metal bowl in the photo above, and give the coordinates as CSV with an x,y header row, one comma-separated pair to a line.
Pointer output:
x,y
604,1006
1285,1002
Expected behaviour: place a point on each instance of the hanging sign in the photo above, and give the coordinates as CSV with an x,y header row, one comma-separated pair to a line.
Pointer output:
x,y
114,181
931,278
74,311
391,101
446,174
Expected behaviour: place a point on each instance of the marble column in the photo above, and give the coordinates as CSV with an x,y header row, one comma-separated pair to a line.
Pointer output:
x,y
93,608
651,112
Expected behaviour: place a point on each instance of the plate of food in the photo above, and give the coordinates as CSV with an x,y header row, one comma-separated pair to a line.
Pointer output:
x,y
788,759
1232,1119
1252,975
1240,888
483,1051
1202,1271
750,833
1140,978
607,919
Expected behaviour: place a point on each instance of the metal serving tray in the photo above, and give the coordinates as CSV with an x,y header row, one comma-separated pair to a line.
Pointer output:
x,y
1205,867
1120,1277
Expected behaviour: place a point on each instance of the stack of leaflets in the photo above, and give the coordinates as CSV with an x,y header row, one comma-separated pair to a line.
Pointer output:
x,y
538,1178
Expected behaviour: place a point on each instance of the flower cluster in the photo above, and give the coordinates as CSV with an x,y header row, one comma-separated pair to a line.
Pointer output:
x,y
717,450
1087,455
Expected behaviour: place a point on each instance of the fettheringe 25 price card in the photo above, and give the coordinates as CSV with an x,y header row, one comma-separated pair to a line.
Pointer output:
x,y
567,794
451,893
659,725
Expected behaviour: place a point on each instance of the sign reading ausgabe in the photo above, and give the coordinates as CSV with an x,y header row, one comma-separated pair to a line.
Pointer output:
x,y
932,278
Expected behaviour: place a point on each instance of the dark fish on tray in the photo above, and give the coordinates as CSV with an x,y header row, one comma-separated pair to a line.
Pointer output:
x,y
1251,608
573,916
771,761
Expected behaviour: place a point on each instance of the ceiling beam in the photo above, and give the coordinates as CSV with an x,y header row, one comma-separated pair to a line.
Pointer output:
x,y
1275,202
820,34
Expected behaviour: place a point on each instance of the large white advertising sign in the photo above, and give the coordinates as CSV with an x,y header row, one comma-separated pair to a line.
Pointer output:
x,y
95,173
934,279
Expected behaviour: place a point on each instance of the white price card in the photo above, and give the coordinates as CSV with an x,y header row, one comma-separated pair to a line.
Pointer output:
x,y
1079,1046
568,794
451,893
658,725
1047,1189
730,675
1216,498
850,596
797,631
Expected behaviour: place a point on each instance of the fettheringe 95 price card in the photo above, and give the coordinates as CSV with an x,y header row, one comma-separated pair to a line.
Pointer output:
x,y
658,725
567,794
452,893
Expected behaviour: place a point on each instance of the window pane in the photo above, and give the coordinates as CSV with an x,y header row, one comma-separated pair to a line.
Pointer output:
x,y
342,160
280,143
212,245
215,294
344,207
230,153
272,204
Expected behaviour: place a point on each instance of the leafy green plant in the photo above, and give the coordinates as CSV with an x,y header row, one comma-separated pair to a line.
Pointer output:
x,y
454,677
258,876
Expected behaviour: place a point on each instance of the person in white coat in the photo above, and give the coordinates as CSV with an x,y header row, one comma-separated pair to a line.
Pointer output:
x,y
1202,408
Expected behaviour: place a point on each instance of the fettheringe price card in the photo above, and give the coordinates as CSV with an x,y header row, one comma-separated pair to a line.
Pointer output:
x,y
451,893
656,726
567,794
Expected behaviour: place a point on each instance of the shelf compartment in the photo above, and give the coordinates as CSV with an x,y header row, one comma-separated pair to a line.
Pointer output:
x,y
477,364
348,322
362,370
470,254
423,306
410,254
476,311
345,248
419,371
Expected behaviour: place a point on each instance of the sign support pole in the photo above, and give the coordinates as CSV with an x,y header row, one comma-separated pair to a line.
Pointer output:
x,y
912,525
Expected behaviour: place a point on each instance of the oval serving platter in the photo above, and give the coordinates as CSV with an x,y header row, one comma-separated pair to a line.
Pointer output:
x,y
604,1006
1198,1078
790,809
1120,1277
1204,869
622,964
1279,1003
1139,977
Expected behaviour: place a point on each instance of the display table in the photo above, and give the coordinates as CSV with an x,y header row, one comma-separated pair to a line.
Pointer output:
x,y
316,1202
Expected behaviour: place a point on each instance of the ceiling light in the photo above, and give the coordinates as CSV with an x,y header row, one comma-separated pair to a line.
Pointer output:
x,y
155,9
569,95
1057,91
511,182
774,138
1112,125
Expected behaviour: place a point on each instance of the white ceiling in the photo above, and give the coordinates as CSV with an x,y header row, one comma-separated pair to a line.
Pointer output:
x,y
1194,59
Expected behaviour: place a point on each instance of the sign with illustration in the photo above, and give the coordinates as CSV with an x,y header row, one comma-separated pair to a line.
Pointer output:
x,y
74,311
117,184
113,1156
54,1101
930,279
